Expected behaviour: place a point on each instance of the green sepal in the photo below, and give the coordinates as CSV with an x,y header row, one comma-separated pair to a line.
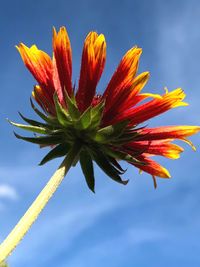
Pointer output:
x,y
58,151
108,133
76,160
128,136
72,107
103,162
91,118
48,119
96,115
121,155
35,129
62,115
125,138
35,123
84,120
87,169
117,165
42,140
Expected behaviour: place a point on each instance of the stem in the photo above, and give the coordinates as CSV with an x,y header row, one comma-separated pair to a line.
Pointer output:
x,y
19,231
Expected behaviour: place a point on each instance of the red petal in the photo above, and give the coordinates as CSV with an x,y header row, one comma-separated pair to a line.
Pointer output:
x,y
152,108
152,167
168,132
63,58
126,98
43,100
40,65
162,148
93,61
123,76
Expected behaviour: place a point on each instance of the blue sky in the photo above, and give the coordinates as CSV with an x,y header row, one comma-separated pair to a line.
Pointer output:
x,y
119,226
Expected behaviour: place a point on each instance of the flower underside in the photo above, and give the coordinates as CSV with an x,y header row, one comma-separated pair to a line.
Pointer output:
x,y
71,127
106,127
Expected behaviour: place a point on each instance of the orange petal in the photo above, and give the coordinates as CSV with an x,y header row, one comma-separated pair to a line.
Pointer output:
x,y
63,58
126,98
123,76
153,108
152,167
93,61
43,100
138,84
168,132
40,65
162,148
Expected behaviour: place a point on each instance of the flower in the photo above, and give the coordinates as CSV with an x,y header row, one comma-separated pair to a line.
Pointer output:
x,y
83,126
106,127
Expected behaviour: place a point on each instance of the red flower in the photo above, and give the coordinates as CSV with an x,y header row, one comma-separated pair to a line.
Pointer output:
x,y
105,125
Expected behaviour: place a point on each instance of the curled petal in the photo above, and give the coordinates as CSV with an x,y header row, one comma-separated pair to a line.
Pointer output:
x,y
157,106
129,99
43,99
153,108
189,143
162,148
63,57
40,65
152,167
93,61
168,132
123,76
126,98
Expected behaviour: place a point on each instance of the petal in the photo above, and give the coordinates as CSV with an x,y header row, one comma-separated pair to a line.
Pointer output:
x,y
152,167
168,132
138,84
162,148
43,100
93,61
153,108
40,65
123,76
126,98
63,58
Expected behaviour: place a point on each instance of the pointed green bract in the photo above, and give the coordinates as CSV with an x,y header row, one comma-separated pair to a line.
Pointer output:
x,y
111,132
35,129
72,107
42,140
121,155
124,138
96,115
58,151
91,118
48,119
87,169
62,115
84,121
36,123
116,165
103,162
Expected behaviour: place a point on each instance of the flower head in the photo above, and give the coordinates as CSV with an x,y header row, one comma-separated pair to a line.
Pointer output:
x,y
106,127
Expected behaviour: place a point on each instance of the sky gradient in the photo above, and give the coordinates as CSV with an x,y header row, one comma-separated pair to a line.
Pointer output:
x,y
119,226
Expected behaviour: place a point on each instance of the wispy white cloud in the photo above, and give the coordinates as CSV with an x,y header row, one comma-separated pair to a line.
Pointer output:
x,y
8,192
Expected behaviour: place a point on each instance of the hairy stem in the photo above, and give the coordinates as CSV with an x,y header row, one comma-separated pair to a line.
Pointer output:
x,y
19,231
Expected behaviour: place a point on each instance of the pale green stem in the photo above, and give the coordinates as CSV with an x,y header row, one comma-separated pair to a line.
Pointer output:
x,y
19,231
